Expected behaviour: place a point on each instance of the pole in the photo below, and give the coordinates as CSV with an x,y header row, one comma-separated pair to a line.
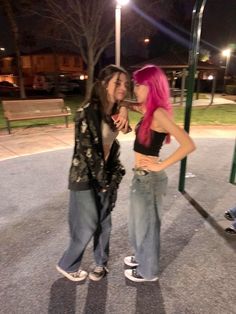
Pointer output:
x,y
213,89
232,178
118,30
183,79
226,71
193,58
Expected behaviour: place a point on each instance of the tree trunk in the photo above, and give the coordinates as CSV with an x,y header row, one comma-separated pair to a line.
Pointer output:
x,y
15,32
20,74
89,83
56,74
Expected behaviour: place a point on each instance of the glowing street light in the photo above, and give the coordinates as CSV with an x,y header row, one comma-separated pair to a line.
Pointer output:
x,y
226,53
122,2
119,4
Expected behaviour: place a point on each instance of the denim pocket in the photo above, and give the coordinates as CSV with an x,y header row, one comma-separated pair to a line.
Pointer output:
x,y
160,182
141,183
161,187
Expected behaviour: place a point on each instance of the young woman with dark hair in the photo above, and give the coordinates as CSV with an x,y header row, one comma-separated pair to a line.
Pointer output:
x,y
95,174
150,181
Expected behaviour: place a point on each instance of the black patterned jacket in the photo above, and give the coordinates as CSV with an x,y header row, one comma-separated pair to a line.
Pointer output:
x,y
88,169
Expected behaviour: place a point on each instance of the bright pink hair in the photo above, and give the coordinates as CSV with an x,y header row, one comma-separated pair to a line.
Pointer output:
x,y
158,97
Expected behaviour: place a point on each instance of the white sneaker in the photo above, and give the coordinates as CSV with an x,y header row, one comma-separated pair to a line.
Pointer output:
x,y
133,275
79,275
130,261
98,273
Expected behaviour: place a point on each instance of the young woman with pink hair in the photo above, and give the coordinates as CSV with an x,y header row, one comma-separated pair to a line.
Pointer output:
x,y
150,181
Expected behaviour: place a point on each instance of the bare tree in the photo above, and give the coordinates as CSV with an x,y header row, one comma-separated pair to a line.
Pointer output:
x,y
10,13
88,24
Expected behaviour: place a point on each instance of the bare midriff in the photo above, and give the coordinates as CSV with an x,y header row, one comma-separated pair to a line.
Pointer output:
x,y
140,157
106,150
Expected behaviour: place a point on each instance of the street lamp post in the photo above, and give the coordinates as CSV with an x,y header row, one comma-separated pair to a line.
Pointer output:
x,y
119,4
226,53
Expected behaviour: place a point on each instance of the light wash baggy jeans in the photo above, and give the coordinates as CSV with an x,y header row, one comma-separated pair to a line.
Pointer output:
x,y
144,220
86,222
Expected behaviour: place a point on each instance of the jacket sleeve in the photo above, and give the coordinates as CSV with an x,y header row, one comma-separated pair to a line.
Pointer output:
x,y
87,146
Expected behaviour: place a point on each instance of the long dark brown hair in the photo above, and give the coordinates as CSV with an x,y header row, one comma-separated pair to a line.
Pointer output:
x,y
99,92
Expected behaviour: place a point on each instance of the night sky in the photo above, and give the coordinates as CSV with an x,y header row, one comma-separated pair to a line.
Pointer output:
x,y
219,22
218,27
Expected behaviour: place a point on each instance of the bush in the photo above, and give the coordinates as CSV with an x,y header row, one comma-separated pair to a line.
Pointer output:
x,y
230,89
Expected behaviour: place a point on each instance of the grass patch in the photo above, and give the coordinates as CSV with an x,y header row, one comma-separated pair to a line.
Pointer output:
x,y
210,115
224,114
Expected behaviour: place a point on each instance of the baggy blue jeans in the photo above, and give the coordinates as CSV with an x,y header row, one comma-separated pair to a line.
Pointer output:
x,y
87,219
145,222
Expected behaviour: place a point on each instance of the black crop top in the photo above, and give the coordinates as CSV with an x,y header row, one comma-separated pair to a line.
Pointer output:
x,y
157,139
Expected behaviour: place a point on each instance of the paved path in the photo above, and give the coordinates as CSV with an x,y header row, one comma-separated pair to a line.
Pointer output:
x,y
197,258
27,141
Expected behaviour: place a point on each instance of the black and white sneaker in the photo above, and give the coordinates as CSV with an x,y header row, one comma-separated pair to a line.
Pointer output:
x,y
133,275
231,230
79,275
98,273
228,215
130,261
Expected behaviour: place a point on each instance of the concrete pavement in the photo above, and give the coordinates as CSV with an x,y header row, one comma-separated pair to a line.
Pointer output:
x,y
197,271
27,141
197,274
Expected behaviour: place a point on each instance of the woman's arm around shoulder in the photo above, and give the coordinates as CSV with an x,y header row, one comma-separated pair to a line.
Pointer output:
x,y
132,105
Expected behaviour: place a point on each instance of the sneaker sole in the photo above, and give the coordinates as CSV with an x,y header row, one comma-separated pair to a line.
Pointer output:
x,y
228,216
68,276
130,263
230,231
95,278
130,277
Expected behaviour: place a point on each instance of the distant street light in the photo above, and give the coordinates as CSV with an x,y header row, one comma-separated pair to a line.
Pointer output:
x,y
226,53
2,49
146,40
119,4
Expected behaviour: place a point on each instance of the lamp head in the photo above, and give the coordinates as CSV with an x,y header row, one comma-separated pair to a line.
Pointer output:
x,y
226,53
122,2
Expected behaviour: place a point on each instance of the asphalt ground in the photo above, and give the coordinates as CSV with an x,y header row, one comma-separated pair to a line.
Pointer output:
x,y
197,258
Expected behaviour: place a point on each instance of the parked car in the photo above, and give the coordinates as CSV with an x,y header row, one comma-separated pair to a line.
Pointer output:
x,y
8,89
43,83
69,86
65,85
78,85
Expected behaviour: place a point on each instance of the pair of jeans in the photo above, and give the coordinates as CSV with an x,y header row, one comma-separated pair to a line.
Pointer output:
x,y
89,216
145,220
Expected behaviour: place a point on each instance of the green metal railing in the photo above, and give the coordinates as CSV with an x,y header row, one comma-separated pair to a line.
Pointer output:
x,y
192,62
232,178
